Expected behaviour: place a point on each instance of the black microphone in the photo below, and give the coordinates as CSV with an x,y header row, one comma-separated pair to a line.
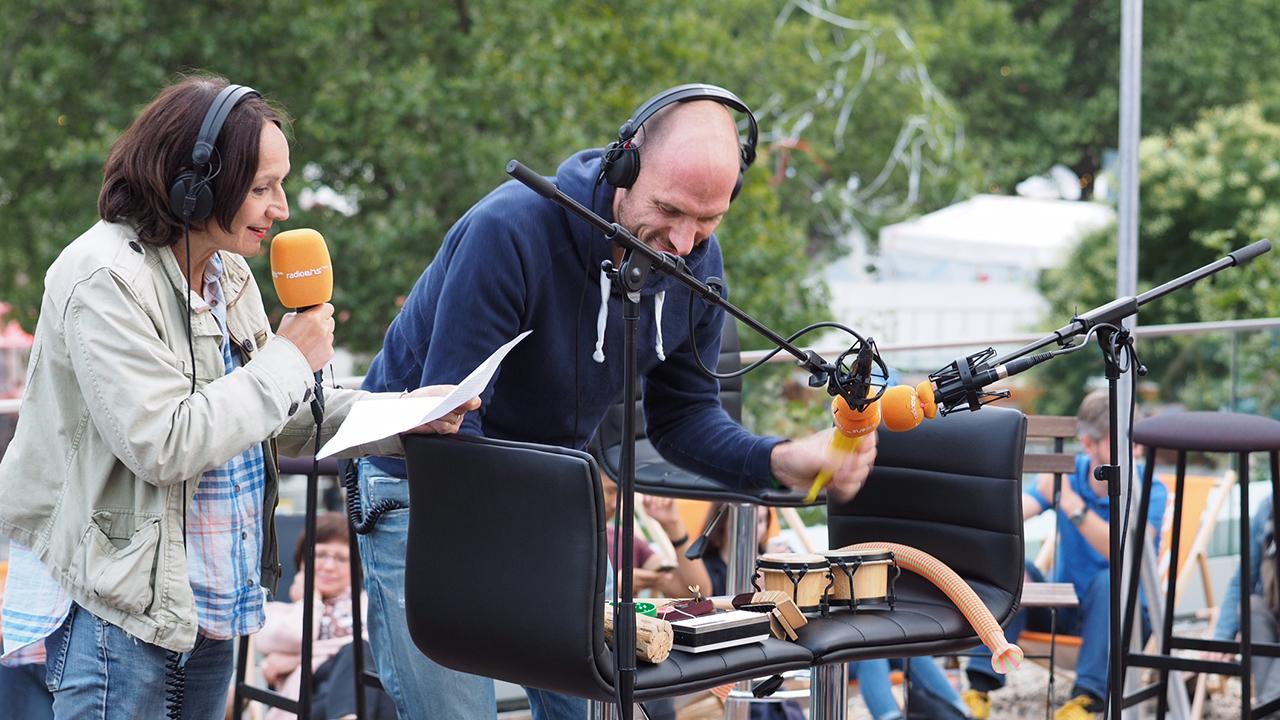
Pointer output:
x,y
961,383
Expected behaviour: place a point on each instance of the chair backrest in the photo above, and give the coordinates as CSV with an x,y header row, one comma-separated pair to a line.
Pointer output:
x,y
609,434
527,604
952,488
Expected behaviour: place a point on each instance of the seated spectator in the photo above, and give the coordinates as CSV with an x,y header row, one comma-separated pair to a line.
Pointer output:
x,y
1264,604
650,573
1082,561
280,640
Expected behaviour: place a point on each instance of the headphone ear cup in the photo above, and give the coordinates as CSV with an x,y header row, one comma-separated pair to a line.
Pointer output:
x,y
184,187
621,165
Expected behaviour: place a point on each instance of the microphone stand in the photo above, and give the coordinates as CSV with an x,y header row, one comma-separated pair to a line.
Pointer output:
x,y
1117,344
638,261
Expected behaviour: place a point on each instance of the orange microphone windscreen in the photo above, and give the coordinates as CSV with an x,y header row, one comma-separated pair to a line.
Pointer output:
x,y
901,408
300,268
855,423
927,401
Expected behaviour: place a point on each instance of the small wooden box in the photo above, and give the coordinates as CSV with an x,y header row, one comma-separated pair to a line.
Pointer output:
x,y
720,630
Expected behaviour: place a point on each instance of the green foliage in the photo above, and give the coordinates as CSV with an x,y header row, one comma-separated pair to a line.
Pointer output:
x,y
414,109
1207,189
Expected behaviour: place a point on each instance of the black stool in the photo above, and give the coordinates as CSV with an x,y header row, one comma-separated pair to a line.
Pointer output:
x,y
1202,432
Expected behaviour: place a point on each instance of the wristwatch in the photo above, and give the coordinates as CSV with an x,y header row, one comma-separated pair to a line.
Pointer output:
x,y
1077,517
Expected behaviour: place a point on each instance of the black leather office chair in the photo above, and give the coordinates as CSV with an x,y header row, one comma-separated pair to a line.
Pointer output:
x,y
656,476
952,488
505,574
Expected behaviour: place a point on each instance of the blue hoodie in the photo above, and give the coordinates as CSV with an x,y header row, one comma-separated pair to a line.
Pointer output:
x,y
516,261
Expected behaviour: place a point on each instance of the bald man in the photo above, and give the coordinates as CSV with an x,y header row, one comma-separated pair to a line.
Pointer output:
x,y
516,261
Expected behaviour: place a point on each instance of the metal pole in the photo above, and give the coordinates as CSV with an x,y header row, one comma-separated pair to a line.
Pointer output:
x,y
1126,285
743,541
829,692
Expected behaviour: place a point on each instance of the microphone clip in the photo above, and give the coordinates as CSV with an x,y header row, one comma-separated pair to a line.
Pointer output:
x,y
853,376
956,387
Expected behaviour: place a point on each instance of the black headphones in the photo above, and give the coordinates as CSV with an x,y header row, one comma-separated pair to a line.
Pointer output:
x,y
191,195
621,162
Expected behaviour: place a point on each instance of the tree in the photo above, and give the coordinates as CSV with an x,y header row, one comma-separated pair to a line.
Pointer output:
x,y
413,110
1207,189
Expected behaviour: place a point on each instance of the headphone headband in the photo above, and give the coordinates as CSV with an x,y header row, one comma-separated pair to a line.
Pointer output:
x,y
191,195
693,91
620,164
221,107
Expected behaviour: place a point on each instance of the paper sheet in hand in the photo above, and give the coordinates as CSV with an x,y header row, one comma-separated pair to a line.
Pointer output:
x,y
375,419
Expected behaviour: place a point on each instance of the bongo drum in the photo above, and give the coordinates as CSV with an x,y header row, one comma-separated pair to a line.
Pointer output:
x,y
862,577
804,577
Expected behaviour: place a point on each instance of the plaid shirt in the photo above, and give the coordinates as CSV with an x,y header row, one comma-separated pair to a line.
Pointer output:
x,y
224,545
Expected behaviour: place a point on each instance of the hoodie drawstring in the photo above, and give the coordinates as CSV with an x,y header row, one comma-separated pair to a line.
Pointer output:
x,y
602,319
658,299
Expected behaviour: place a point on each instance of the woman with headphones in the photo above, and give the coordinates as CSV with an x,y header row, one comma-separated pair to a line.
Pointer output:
x,y
141,483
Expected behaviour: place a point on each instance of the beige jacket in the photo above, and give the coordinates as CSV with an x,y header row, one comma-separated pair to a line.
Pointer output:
x,y
110,441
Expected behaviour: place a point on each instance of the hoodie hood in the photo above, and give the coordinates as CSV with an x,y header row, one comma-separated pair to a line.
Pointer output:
x,y
577,178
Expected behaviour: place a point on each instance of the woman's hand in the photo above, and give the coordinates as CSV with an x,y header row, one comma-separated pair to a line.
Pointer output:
x,y
277,666
312,333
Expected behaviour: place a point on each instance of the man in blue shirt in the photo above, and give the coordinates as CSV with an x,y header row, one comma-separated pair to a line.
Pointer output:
x,y
1082,560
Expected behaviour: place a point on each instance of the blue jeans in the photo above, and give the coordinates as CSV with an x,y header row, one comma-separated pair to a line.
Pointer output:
x,y
877,689
1091,620
23,693
419,687
924,674
95,669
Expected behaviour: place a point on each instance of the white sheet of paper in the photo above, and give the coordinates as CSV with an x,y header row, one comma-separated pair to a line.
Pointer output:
x,y
374,419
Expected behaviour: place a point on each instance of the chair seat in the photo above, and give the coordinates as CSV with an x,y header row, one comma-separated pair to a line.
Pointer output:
x,y
923,622
656,476
684,672
1209,432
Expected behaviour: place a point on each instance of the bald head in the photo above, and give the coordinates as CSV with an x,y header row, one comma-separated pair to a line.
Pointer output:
x,y
689,164
699,133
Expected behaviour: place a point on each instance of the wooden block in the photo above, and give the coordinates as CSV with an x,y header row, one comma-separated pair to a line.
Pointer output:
x,y
795,619
781,620
776,627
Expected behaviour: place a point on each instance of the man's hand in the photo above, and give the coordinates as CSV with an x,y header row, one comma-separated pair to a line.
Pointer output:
x,y
1069,503
796,463
452,420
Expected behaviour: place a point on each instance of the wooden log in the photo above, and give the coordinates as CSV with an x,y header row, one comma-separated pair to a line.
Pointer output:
x,y
653,636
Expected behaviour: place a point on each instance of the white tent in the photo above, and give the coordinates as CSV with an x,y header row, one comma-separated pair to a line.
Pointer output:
x,y
966,272
1016,234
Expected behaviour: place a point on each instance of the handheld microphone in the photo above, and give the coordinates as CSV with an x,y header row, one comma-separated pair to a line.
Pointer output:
x,y
303,276
851,426
300,269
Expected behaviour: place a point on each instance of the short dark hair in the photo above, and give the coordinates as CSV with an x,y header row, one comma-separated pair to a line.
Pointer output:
x,y
1093,419
156,148
330,527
